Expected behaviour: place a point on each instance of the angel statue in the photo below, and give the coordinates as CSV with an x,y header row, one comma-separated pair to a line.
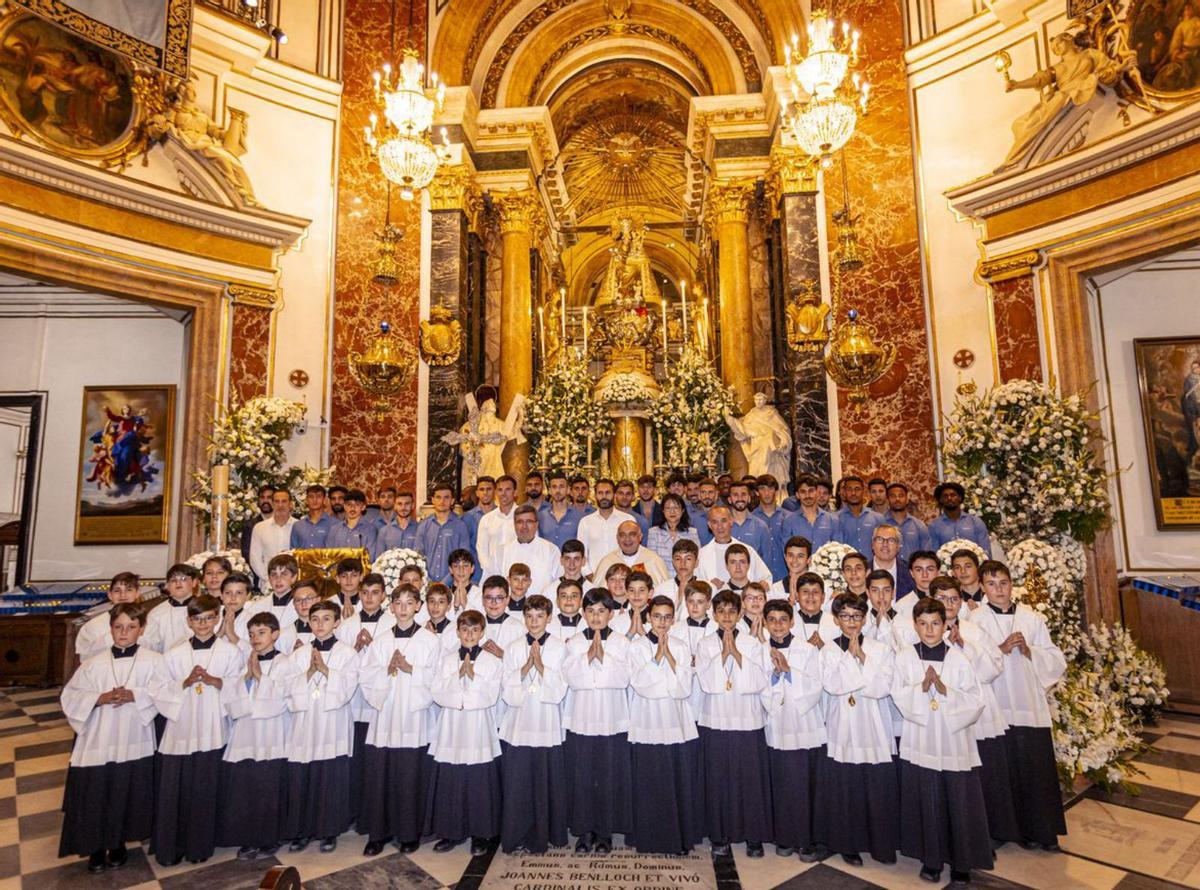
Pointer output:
x,y
191,126
1073,80
482,438
765,440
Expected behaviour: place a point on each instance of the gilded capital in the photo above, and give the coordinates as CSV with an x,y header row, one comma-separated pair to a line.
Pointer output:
x,y
520,211
1015,265
792,172
729,201
451,188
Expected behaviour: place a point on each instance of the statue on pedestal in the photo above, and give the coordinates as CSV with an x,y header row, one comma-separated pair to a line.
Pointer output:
x,y
765,439
482,438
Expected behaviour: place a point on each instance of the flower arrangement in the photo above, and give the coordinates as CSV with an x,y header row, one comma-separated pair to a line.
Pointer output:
x,y
1093,736
1131,678
1024,455
560,414
827,562
197,560
691,411
1056,598
250,438
392,562
946,552
624,388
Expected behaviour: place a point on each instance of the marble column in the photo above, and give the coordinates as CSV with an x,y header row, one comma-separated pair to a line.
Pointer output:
x,y
1014,316
453,202
520,219
729,218
794,188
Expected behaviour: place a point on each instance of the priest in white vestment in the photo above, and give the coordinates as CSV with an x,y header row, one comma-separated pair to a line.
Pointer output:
x,y
631,552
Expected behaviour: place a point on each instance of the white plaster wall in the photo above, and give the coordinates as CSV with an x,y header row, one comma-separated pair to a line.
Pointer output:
x,y
1142,304
60,356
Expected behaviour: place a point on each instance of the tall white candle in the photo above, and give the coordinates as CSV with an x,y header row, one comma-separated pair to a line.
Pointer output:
x,y
585,353
542,331
664,327
562,300
683,297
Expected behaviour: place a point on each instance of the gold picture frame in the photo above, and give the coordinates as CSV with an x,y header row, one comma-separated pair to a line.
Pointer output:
x,y
72,96
1168,370
126,464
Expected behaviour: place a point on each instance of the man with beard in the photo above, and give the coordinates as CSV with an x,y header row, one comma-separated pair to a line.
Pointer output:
x,y
855,523
535,490
265,495
598,530
707,500
749,529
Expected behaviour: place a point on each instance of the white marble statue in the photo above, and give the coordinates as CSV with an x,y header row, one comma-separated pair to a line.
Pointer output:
x,y
482,438
765,440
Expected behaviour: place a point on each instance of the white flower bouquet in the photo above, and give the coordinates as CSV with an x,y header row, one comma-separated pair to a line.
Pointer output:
x,y
560,415
392,562
691,411
197,560
624,388
947,550
827,562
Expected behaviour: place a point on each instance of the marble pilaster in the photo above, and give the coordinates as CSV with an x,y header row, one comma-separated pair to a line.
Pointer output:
x,y
1014,314
447,383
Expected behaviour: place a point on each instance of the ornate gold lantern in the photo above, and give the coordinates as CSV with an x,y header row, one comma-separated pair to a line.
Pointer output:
x,y
854,360
384,368
806,314
386,269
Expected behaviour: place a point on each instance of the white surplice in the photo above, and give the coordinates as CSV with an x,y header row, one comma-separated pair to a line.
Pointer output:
x,y
403,702
112,733
858,732
466,729
197,716
322,720
937,728
1023,684
533,703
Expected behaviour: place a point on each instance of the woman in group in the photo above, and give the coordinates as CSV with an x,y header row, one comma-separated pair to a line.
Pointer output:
x,y
675,526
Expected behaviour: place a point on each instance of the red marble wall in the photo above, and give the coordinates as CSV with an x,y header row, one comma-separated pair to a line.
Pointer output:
x,y
250,346
893,434
1015,316
367,449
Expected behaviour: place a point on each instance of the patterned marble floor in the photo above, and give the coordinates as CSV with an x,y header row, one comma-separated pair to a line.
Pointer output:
x,y
1121,841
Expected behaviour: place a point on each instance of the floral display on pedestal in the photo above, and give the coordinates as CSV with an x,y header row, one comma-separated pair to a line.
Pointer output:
x,y
1025,456
391,563
197,560
561,416
250,438
827,562
691,411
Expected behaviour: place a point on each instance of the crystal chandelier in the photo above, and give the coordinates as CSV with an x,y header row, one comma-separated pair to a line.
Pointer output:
x,y
398,134
835,94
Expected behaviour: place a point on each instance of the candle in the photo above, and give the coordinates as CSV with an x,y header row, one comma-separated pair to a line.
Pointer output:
x,y
662,457
562,299
683,296
220,506
588,462
585,358
542,331
220,479
664,327
704,324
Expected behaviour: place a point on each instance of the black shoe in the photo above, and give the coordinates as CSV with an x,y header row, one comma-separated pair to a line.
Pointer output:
x,y
373,848
97,861
409,846
266,852
247,852
754,851
783,851
196,860
116,857
328,844
480,845
445,845
1029,845
586,842
604,845
171,863
300,843
851,859
932,875
1052,848
719,849
809,854
960,878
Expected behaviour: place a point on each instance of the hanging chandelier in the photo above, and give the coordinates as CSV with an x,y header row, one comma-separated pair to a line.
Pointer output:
x,y
835,94
398,134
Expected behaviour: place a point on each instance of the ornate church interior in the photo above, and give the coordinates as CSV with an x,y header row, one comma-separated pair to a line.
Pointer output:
x,y
298,297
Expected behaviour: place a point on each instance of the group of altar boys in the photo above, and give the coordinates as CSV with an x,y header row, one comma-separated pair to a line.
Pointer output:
x,y
822,722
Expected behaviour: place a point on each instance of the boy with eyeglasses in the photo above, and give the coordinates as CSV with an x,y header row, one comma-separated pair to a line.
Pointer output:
x,y
298,632
167,623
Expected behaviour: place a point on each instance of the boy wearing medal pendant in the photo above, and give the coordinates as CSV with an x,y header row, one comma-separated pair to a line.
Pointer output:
x,y
942,808
322,733
396,680
199,681
731,667
857,782
109,798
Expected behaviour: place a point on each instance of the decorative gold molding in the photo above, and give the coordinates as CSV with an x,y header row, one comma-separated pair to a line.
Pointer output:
x,y
258,297
792,172
454,188
440,337
520,210
1016,265
729,201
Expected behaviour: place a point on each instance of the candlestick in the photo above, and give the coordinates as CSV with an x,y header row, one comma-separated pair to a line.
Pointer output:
x,y
664,327
562,300
683,296
585,354
662,458
220,479
220,506
704,323
588,462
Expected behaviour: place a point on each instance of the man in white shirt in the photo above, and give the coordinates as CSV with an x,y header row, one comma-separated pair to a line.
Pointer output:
x,y
496,530
598,530
711,567
631,552
272,536
542,557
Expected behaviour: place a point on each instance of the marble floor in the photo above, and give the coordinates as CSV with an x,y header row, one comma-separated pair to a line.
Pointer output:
x,y
1129,842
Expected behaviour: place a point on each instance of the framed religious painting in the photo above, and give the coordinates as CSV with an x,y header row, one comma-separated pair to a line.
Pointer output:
x,y
125,465
1169,379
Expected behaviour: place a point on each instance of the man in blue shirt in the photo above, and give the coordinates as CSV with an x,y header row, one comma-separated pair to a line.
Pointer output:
x,y
312,530
647,505
773,515
558,521
707,500
354,530
581,496
953,522
808,520
441,533
485,502
748,529
914,534
535,494
401,531
855,523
